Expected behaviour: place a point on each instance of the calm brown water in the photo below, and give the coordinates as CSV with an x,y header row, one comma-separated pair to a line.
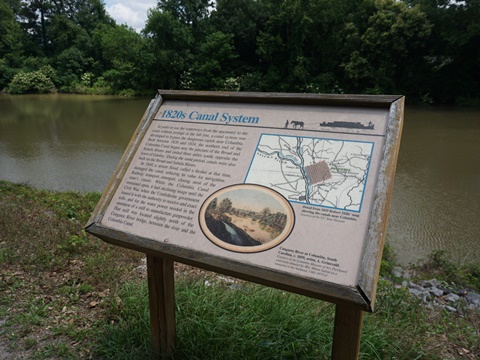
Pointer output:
x,y
65,142
71,142
436,198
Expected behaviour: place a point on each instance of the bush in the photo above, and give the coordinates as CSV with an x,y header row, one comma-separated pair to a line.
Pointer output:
x,y
388,260
6,73
127,92
439,265
36,82
101,87
87,79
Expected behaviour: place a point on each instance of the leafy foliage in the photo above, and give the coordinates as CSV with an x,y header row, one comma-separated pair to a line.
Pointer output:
x,y
427,50
213,62
37,82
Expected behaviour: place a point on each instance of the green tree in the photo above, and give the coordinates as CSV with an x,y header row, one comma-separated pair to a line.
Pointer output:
x,y
170,41
426,49
225,206
38,16
127,65
70,65
64,34
34,17
244,19
10,41
88,14
188,12
390,53
213,63
453,49
57,32
280,46
10,44
301,47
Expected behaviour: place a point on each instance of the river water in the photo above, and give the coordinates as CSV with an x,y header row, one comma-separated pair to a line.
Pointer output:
x,y
73,142
65,142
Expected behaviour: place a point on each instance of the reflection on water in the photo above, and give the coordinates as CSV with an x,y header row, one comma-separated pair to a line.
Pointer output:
x,y
436,197
64,142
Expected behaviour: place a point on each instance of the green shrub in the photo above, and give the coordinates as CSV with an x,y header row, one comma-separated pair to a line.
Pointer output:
x,y
388,260
36,82
231,84
127,93
87,79
101,87
439,265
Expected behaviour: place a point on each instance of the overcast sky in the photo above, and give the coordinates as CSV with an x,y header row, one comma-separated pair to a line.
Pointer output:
x,y
130,12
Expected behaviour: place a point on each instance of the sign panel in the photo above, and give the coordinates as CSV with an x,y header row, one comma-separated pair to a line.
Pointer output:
x,y
278,189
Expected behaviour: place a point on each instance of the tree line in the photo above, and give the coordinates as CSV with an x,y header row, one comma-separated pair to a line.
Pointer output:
x,y
428,50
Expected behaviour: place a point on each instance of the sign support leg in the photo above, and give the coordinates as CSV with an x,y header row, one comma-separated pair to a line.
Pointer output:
x,y
161,293
347,332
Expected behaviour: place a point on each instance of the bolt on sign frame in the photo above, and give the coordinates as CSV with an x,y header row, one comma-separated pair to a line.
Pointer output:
x,y
286,190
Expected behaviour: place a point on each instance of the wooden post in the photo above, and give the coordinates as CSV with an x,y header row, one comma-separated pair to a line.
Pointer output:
x,y
161,293
347,332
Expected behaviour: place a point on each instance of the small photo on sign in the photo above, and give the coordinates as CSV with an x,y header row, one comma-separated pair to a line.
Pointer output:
x,y
246,218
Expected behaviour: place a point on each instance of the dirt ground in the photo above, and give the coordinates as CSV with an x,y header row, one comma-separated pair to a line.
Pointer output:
x,y
70,310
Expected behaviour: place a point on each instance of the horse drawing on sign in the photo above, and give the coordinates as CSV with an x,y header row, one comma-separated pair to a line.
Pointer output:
x,y
298,124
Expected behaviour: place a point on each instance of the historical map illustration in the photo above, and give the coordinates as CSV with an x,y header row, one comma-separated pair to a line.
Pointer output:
x,y
324,172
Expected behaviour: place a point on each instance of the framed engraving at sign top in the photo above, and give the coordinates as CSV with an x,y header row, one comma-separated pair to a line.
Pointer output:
x,y
287,190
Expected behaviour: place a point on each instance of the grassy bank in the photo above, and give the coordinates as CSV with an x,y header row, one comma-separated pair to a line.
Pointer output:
x,y
67,295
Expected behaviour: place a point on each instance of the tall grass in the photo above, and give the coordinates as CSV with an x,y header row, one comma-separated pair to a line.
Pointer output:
x,y
246,321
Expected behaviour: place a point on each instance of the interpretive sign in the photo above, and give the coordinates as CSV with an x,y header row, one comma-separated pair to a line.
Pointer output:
x,y
288,190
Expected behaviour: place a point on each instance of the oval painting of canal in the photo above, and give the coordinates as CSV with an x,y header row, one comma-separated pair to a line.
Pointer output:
x,y
246,218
